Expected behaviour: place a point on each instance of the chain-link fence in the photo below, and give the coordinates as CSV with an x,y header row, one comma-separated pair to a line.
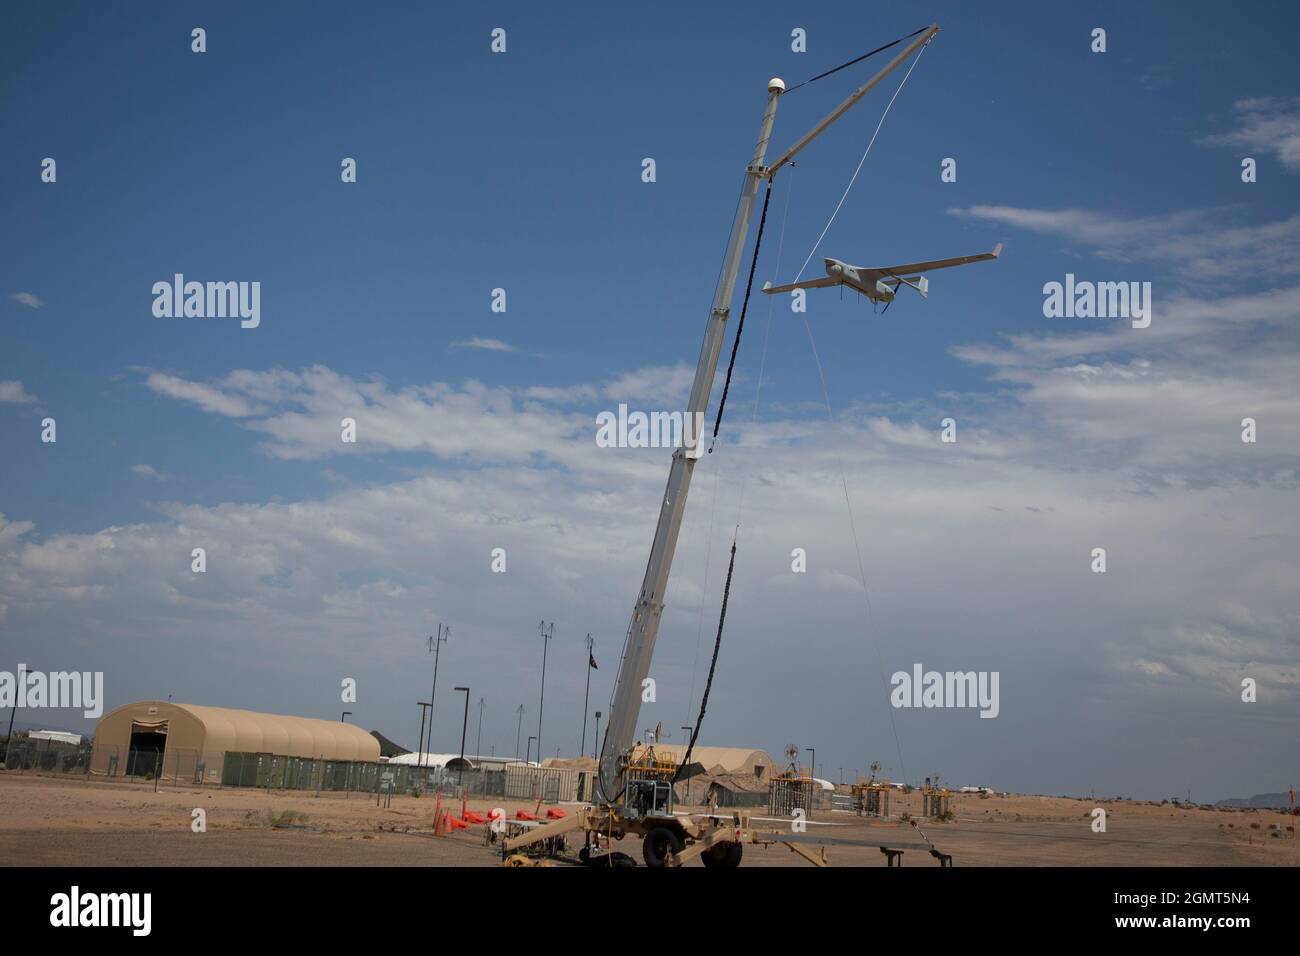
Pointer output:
x,y
267,771
51,756
277,772
182,767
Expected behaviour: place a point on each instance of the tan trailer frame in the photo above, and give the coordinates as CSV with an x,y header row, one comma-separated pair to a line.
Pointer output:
x,y
698,832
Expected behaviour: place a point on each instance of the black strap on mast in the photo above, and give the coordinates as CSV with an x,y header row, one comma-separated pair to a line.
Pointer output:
x,y
740,326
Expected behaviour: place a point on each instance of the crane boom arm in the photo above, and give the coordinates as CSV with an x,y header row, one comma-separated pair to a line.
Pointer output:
x,y
620,733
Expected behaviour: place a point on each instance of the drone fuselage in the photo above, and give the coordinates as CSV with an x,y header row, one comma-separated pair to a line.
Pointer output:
x,y
852,276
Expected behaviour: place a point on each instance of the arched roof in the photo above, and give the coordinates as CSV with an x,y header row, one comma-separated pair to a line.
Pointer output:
x,y
450,761
248,731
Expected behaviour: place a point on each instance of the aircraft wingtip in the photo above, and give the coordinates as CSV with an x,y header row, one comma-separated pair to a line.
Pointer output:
x,y
997,250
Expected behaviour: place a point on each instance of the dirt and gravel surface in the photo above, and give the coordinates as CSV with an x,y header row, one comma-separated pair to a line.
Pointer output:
x,y
51,820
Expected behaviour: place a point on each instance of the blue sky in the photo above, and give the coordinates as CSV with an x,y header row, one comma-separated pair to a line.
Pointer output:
x,y
523,171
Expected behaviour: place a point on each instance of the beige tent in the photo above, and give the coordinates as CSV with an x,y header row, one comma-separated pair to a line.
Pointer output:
x,y
720,760
203,735
728,789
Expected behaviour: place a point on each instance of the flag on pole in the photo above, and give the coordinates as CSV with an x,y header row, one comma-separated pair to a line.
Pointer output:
x,y
591,661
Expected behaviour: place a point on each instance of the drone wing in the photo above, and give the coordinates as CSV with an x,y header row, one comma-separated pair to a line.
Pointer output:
x,y
805,284
882,271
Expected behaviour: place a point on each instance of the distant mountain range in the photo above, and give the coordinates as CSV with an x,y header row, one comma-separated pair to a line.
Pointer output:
x,y
1260,801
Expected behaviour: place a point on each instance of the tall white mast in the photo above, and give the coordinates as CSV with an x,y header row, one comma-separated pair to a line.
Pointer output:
x,y
644,627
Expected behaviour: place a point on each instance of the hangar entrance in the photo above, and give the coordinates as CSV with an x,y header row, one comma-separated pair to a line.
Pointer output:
x,y
145,753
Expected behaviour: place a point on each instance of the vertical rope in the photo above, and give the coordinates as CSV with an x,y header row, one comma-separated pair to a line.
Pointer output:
x,y
862,573
708,685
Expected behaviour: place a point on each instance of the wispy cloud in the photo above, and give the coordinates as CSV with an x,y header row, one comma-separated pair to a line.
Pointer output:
x,y
1267,123
1170,398
301,411
488,345
665,386
149,471
1092,446
14,393
205,396
1199,244
27,298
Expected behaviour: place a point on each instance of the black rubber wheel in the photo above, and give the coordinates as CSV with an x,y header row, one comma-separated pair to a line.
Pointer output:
x,y
658,843
726,854
608,860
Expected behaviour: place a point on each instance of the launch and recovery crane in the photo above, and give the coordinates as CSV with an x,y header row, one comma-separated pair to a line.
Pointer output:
x,y
631,802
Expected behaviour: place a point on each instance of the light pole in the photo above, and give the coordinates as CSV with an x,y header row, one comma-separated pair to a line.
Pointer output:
x,y
591,659
519,729
813,774
546,640
595,747
419,750
478,739
460,770
9,740
436,647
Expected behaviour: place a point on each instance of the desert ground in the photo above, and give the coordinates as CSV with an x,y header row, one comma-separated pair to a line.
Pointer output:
x,y
78,821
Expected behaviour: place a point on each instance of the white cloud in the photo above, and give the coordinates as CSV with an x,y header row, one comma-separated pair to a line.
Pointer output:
x,y
1169,398
14,393
972,561
561,395
1092,228
977,553
663,386
27,298
490,345
149,471
1267,123
300,412
205,396
1199,245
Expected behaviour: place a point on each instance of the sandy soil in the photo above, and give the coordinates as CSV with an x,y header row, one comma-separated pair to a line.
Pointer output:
x,y
51,820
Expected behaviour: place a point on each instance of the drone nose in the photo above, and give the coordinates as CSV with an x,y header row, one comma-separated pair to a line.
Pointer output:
x,y
835,268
